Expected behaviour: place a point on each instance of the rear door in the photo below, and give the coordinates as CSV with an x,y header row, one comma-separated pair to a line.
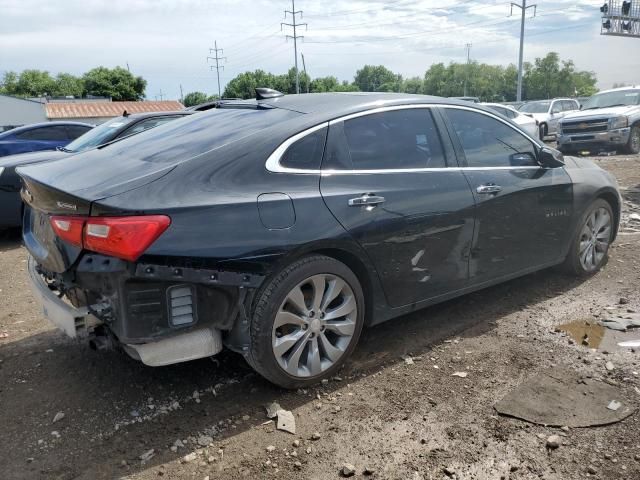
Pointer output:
x,y
386,178
522,209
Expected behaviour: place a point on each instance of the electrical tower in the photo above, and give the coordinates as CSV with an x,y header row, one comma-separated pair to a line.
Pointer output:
x,y
621,18
295,36
524,9
466,77
217,66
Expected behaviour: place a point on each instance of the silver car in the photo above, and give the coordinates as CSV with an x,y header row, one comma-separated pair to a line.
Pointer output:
x,y
549,112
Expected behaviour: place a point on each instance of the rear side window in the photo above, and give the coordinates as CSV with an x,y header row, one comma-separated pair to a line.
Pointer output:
x,y
400,139
488,142
306,153
146,125
569,105
45,133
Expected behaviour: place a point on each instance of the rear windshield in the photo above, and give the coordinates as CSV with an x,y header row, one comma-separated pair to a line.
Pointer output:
x,y
98,135
535,107
196,134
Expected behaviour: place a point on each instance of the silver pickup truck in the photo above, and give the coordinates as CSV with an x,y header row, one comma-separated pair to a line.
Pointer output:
x,y
610,120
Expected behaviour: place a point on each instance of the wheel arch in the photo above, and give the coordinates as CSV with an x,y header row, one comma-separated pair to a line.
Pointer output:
x,y
612,199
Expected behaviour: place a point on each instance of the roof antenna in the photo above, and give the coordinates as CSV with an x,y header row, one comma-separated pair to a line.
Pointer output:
x,y
264,93
125,114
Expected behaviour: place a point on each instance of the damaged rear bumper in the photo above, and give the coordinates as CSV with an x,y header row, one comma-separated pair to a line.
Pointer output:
x,y
159,314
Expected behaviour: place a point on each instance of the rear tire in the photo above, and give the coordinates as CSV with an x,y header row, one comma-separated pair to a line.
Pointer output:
x,y
633,145
590,245
306,322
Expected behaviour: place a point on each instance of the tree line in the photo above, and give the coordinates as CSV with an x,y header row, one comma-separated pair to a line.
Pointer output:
x,y
546,77
117,83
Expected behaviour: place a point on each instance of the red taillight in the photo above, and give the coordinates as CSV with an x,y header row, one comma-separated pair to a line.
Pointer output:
x,y
121,237
69,229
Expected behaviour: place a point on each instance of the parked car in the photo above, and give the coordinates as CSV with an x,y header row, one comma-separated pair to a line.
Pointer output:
x,y
40,136
608,120
279,228
114,129
526,122
549,112
467,99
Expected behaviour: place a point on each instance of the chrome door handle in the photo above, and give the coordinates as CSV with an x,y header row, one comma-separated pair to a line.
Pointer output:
x,y
366,199
489,188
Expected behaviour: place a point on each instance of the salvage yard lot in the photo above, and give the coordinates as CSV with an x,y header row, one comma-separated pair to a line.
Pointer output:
x,y
398,418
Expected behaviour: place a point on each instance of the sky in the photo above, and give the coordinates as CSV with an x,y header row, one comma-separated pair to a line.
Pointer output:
x,y
167,41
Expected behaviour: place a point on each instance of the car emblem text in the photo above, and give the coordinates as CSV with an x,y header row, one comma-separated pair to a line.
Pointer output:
x,y
68,206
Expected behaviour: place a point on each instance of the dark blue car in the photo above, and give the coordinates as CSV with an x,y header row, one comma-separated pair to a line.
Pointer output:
x,y
40,136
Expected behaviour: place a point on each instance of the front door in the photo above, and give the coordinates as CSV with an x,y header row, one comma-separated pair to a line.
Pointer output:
x,y
523,209
385,178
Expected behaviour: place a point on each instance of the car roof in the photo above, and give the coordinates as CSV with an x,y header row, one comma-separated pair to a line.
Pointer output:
x,y
337,104
628,87
34,126
140,116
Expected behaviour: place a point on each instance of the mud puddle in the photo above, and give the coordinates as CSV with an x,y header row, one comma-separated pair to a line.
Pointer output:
x,y
584,332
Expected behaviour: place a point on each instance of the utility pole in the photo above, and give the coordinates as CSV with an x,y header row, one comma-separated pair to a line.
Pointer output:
x,y
161,95
181,95
217,58
466,78
295,36
304,69
524,9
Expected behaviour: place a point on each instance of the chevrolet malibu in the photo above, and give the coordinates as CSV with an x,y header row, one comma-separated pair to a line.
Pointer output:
x,y
280,227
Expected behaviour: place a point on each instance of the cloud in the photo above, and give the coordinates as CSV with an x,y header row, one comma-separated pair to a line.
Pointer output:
x,y
167,41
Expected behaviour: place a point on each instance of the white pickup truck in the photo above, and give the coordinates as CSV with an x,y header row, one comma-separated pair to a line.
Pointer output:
x,y
610,120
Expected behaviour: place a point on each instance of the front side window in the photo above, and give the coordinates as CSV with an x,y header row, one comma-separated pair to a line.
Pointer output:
x,y
399,139
146,125
99,135
488,142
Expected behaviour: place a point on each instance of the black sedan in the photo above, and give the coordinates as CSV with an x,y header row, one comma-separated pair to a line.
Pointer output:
x,y
114,129
279,227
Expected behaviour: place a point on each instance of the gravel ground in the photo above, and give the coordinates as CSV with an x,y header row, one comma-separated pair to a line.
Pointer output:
x,y
385,416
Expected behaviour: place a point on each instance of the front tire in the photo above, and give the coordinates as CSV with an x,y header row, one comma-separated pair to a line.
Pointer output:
x,y
306,322
590,245
633,145
543,131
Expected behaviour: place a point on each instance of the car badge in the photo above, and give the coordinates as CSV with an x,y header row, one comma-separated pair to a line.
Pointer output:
x,y
583,125
67,206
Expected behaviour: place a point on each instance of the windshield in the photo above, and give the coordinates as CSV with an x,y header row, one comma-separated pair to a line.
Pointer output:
x,y
535,107
612,99
98,135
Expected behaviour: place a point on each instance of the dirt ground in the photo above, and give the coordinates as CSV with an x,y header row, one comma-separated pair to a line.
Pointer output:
x,y
394,418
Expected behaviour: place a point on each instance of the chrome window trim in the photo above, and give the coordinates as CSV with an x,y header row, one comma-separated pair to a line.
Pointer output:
x,y
273,161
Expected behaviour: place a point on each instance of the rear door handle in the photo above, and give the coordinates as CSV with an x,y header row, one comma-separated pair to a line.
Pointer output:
x,y
366,199
489,188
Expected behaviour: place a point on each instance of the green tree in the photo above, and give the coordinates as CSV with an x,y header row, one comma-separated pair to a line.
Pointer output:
x,y
194,98
116,83
34,83
244,84
549,77
67,85
372,78
413,85
9,83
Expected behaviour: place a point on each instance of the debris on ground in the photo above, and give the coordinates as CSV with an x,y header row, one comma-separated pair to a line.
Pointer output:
x,y
609,366
460,374
553,442
614,405
622,324
630,344
562,398
408,360
148,455
272,409
59,416
286,421
348,470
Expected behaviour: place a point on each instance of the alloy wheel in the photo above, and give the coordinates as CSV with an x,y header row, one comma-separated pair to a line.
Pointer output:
x,y
635,139
314,325
594,239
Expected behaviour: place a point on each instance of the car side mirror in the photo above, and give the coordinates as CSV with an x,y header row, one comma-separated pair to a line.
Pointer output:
x,y
524,159
550,158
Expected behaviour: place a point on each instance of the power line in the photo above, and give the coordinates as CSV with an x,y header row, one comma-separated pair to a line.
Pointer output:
x,y
295,36
466,77
217,58
524,9
304,68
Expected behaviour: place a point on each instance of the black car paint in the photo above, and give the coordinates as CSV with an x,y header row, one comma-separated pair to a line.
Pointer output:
x,y
212,191
10,201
